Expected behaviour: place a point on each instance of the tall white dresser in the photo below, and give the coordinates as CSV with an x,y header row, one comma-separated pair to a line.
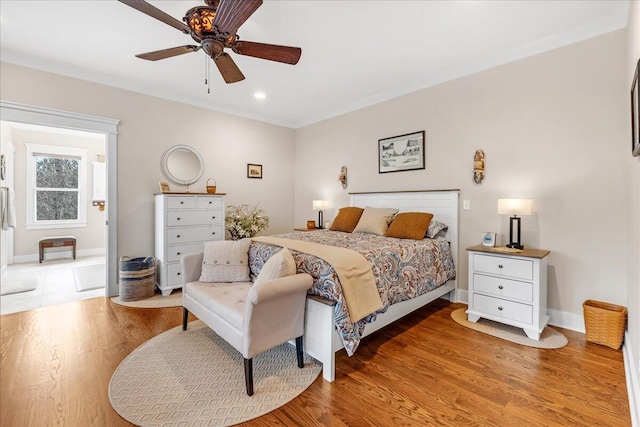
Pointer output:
x,y
183,221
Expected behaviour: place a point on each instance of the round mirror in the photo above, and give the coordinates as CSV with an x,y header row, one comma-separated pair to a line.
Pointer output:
x,y
182,164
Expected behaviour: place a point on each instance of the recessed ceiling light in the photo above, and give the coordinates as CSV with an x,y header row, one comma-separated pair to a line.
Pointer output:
x,y
260,95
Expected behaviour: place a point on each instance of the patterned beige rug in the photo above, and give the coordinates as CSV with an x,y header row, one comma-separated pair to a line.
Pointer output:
x,y
550,338
194,378
156,301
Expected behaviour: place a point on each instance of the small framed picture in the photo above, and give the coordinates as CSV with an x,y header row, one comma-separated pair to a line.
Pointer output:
x,y
254,171
489,238
164,187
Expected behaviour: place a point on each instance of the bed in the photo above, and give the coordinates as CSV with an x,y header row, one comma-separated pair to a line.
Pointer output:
x,y
328,327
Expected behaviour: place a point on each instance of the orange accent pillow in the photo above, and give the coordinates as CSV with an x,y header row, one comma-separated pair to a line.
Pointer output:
x,y
409,225
347,219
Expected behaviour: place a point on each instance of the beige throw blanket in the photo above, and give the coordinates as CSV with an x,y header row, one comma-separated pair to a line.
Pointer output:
x,y
354,271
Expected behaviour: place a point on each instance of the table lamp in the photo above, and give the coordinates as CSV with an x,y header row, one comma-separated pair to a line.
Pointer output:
x,y
318,205
515,207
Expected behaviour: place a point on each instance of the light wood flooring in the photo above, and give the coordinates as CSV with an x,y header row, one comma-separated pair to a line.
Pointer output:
x,y
425,369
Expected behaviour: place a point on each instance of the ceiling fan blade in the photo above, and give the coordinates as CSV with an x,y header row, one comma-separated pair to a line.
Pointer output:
x,y
154,12
228,68
231,14
272,52
168,53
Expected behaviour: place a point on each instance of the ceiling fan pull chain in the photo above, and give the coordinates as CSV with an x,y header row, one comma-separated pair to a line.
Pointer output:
x,y
208,76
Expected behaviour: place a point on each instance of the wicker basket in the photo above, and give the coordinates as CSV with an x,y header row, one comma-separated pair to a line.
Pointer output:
x,y
137,278
605,323
211,189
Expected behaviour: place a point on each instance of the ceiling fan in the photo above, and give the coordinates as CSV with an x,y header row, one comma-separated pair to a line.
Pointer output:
x,y
214,27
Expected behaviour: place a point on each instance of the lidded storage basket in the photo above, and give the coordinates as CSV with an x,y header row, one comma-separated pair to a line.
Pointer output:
x,y
137,278
605,323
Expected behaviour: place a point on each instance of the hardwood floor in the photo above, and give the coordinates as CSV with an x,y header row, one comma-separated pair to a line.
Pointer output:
x,y
56,364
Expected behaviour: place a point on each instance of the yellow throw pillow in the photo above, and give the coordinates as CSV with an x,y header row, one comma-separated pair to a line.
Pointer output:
x,y
409,225
375,220
347,219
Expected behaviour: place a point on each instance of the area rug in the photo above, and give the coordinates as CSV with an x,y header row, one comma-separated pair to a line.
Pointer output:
x,y
156,301
15,283
550,338
194,378
89,277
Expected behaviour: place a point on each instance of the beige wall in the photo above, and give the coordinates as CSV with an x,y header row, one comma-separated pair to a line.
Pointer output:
x,y
554,127
148,127
633,170
89,238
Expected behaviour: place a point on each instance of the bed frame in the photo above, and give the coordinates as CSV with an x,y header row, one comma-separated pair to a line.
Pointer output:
x,y
321,339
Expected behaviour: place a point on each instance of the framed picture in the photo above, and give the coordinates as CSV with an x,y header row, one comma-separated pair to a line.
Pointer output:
x,y
635,113
254,171
401,153
164,187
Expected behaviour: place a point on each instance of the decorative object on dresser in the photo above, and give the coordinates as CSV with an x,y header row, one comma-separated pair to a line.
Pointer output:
x,y
510,289
182,223
515,207
211,186
635,113
343,176
182,165
489,238
164,187
243,221
254,171
401,153
319,205
478,167
311,225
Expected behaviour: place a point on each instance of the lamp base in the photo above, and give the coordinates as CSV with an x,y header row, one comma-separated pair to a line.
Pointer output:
x,y
515,246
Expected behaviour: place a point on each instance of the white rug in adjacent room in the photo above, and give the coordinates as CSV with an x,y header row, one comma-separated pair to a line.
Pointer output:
x,y
194,378
89,277
13,283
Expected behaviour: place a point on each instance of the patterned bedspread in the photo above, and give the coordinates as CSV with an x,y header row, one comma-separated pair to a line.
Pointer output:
x,y
403,269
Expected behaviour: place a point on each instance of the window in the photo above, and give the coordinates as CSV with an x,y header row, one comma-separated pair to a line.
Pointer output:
x,y
56,184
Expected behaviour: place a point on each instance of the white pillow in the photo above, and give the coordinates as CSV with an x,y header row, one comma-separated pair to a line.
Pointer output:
x,y
375,220
226,261
279,265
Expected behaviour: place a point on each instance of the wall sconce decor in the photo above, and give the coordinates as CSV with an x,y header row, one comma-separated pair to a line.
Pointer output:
x,y
478,167
319,205
343,176
515,207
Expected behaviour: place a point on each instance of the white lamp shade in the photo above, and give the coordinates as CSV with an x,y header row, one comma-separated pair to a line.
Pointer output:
x,y
515,206
320,204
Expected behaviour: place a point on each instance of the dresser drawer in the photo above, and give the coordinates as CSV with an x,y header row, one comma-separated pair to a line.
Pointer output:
x,y
500,266
174,274
177,235
175,252
503,309
181,202
504,288
205,202
180,218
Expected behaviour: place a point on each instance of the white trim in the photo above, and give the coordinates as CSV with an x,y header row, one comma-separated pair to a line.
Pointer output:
x,y
14,112
566,320
632,376
51,255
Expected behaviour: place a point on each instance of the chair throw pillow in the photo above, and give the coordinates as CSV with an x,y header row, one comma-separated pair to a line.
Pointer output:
x,y
347,219
409,225
226,261
375,221
281,264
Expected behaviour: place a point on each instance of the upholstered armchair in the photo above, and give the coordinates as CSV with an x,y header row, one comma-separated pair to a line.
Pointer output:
x,y
251,317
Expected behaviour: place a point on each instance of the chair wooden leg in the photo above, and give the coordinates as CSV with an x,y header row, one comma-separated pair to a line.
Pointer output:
x,y
185,316
300,352
248,375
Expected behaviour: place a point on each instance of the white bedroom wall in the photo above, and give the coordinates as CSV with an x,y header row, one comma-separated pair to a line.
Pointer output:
x,y
148,127
554,127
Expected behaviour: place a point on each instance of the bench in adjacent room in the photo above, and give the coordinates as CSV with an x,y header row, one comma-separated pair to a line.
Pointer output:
x,y
56,242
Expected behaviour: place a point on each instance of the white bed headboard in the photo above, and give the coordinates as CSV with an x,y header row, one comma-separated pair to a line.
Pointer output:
x,y
443,204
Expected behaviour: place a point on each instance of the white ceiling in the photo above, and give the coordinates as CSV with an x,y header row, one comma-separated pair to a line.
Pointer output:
x,y
354,53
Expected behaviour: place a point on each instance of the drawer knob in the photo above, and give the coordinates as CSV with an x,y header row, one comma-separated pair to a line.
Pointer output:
x,y
181,273
178,236
499,265
210,202
213,217
500,308
178,253
178,218
500,287
182,203
213,232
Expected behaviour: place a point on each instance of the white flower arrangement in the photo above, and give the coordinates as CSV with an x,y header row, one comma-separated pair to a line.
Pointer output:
x,y
244,222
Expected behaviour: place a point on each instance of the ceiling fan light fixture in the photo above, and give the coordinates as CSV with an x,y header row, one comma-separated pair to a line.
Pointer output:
x,y
200,21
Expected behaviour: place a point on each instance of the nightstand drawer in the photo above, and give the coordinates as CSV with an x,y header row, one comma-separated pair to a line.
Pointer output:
x,y
177,235
500,266
209,202
179,218
175,252
181,202
503,288
502,308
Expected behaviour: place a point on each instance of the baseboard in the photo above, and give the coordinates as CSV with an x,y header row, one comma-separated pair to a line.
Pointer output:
x,y
563,319
50,255
632,375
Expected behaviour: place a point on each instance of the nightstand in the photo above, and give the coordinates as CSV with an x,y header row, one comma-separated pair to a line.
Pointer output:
x,y
306,229
509,287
